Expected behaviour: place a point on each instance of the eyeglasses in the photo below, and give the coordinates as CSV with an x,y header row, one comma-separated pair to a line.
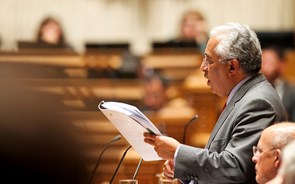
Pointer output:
x,y
207,62
257,150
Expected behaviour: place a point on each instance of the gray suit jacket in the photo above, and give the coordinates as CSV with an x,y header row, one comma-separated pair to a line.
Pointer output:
x,y
228,153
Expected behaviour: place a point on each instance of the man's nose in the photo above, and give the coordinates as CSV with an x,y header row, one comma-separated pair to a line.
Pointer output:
x,y
254,159
203,67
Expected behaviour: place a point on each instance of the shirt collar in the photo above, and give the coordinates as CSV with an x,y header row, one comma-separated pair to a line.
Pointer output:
x,y
235,89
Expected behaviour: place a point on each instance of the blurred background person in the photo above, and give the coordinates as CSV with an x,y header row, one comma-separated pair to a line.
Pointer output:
x,y
49,39
193,30
154,92
273,65
194,27
50,32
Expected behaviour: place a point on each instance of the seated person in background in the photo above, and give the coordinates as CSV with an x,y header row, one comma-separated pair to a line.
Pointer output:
x,y
267,153
50,39
50,32
158,103
49,35
154,93
193,29
273,64
286,174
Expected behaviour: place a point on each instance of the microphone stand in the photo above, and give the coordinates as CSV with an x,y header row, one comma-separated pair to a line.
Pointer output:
x,y
118,137
121,160
186,126
137,168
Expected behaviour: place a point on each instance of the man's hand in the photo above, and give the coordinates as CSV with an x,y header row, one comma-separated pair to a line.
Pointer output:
x,y
168,170
164,146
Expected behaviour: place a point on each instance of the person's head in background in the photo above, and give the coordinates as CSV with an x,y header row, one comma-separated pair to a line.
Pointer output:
x,y
193,27
154,92
50,32
273,63
267,153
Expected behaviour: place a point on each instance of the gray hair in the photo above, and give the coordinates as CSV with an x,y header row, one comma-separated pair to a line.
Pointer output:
x,y
238,41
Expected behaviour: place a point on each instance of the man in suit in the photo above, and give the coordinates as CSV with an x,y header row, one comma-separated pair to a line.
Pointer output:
x,y
273,65
231,64
267,155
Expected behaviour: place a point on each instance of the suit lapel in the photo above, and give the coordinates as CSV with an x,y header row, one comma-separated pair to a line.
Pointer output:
x,y
239,94
219,122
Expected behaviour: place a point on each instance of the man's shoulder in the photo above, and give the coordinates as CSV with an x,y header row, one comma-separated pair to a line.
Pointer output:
x,y
257,84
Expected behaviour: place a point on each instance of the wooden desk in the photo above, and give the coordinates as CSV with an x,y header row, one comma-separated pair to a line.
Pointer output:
x,y
69,61
87,93
173,66
73,65
18,65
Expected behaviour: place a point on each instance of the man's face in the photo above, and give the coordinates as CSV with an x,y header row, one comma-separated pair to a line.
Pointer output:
x,y
271,65
264,159
154,95
188,27
215,71
51,32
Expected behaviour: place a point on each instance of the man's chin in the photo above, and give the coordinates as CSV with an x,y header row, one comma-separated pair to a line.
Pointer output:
x,y
258,180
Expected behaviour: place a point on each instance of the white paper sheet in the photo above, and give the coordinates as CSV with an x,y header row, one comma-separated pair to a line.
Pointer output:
x,y
131,123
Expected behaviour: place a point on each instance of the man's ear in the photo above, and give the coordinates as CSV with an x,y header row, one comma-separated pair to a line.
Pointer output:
x,y
277,155
231,67
234,66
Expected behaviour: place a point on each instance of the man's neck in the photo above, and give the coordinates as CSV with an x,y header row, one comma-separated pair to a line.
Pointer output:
x,y
236,87
236,79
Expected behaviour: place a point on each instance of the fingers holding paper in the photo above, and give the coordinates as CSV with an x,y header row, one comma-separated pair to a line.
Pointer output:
x,y
168,170
163,145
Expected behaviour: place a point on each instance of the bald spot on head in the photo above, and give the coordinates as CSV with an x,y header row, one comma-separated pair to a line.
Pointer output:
x,y
279,135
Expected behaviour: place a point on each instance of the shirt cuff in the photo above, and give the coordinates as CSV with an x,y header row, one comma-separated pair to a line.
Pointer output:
x,y
175,154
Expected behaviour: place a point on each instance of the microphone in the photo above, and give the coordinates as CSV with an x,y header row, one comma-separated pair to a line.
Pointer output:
x,y
186,126
121,160
137,168
118,137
